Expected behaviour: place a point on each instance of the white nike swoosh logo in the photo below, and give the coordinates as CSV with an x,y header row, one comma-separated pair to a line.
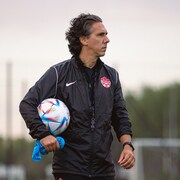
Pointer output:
x,y
71,83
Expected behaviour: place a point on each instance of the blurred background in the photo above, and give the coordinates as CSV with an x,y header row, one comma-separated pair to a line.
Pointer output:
x,y
145,49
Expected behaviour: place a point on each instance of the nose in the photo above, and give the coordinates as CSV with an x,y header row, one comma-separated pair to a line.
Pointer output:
x,y
106,40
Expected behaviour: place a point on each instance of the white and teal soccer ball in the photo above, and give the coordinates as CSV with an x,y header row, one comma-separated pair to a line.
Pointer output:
x,y
54,114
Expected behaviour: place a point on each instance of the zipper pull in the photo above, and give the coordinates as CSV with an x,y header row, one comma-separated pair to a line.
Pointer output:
x,y
92,123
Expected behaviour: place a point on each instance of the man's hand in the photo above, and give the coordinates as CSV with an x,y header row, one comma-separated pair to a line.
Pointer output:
x,y
50,143
127,158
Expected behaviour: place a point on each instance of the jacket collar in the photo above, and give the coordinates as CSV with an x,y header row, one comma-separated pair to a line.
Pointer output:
x,y
80,64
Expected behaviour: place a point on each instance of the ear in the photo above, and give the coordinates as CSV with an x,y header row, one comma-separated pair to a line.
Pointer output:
x,y
83,40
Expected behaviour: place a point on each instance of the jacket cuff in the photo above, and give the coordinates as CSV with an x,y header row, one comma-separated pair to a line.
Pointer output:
x,y
46,133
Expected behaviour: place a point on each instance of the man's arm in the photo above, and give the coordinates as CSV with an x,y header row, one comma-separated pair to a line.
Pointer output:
x,y
43,88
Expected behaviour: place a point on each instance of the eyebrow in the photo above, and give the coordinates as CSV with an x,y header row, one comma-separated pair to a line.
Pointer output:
x,y
102,33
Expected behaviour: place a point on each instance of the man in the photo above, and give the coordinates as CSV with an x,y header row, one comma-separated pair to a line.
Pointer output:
x,y
92,92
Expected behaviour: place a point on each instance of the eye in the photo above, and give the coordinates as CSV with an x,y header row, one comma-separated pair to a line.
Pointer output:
x,y
102,34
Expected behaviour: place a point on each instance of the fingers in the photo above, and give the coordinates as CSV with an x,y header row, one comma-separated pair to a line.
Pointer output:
x,y
127,159
127,163
50,143
52,146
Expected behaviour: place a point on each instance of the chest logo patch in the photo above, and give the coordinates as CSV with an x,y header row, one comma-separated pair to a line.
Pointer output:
x,y
105,82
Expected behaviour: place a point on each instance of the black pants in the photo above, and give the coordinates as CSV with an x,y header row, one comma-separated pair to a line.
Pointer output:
x,y
65,176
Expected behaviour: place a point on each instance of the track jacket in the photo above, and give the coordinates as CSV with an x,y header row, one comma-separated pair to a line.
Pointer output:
x,y
88,137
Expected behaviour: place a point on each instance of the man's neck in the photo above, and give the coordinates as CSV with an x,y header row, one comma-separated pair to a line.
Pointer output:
x,y
88,61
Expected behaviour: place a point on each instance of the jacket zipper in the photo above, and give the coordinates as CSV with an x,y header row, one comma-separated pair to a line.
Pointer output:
x,y
91,102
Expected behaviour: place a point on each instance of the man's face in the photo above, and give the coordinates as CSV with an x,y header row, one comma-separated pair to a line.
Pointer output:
x,y
97,40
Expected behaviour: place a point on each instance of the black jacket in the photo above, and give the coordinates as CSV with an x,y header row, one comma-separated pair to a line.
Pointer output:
x,y
88,137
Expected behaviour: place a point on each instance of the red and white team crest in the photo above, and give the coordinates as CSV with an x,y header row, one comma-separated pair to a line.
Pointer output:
x,y
105,82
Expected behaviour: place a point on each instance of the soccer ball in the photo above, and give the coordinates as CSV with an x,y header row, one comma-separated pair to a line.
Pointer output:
x,y
54,114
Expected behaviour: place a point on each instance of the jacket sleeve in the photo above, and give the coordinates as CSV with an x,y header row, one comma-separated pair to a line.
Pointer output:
x,y
44,88
120,119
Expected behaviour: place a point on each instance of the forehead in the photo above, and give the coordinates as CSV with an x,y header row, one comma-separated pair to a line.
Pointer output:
x,y
98,27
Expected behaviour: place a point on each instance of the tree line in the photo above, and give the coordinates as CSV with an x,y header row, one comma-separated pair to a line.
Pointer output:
x,y
155,112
